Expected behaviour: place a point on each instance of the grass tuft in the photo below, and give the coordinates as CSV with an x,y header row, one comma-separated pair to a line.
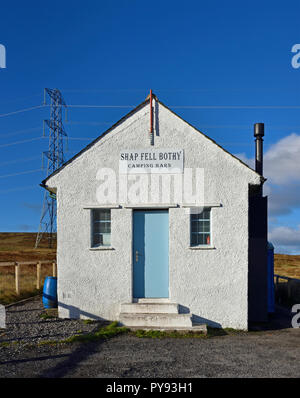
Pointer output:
x,y
88,321
159,334
46,315
103,333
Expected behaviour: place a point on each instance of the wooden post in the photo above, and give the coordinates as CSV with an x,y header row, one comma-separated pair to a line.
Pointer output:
x,y
54,269
17,277
38,275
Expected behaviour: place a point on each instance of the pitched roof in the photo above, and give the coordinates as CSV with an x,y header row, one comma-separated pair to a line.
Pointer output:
x,y
263,179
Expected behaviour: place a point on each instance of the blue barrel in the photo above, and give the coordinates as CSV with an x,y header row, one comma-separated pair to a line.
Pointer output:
x,y
50,292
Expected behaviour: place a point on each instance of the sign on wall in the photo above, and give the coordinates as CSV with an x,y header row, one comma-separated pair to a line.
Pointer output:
x,y
139,161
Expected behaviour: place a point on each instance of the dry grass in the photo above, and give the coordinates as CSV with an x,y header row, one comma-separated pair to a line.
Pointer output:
x,y
20,247
287,265
27,282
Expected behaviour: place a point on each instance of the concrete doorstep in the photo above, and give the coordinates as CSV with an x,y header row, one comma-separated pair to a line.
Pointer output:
x,y
195,328
151,314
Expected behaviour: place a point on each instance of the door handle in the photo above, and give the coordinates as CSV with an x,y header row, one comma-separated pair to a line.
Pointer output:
x,y
136,256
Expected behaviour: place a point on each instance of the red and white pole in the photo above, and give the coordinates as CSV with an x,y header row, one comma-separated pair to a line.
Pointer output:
x,y
151,119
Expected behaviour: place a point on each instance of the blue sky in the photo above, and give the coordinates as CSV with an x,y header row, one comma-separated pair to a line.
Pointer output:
x,y
216,53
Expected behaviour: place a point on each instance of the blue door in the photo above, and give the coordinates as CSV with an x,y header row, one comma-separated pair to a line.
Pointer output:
x,y
150,253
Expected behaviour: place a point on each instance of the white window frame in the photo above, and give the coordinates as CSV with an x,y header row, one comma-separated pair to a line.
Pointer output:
x,y
207,245
92,233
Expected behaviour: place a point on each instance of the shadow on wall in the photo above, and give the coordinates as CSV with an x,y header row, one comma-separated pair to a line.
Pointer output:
x,y
198,319
75,313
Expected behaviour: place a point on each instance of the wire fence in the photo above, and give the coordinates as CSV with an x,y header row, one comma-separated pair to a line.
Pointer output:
x,y
287,290
25,278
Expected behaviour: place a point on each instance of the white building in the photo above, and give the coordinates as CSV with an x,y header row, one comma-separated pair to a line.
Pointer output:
x,y
141,255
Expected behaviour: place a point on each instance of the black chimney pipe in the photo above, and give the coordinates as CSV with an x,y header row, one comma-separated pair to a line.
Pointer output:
x,y
259,132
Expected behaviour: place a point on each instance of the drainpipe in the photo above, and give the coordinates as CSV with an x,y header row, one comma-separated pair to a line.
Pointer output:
x,y
259,132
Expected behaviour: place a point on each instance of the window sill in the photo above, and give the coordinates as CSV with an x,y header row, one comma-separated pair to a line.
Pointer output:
x,y
202,247
102,248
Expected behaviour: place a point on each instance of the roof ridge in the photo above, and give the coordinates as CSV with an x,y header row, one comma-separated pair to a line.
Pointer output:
x,y
43,184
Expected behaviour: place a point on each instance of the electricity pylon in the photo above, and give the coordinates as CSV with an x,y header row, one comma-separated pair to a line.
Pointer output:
x,y
55,156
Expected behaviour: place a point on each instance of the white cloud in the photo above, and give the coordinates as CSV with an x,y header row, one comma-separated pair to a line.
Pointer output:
x,y
285,239
282,199
281,166
245,159
282,161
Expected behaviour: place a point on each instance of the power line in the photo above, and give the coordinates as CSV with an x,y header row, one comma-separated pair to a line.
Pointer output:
x,y
21,142
211,126
104,90
21,173
195,106
20,99
223,142
199,89
95,123
20,132
19,160
100,106
234,106
170,106
82,138
22,110
2,191
92,123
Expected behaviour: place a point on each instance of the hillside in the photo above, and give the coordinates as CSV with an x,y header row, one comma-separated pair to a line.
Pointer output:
x,y
19,246
287,265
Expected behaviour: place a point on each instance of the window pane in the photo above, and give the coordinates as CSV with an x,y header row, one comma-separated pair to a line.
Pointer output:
x,y
106,239
195,226
101,227
200,228
201,239
96,215
195,239
96,228
206,226
206,214
105,215
101,215
96,240
104,227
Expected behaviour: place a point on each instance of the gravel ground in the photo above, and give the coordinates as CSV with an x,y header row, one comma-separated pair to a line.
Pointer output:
x,y
25,325
269,353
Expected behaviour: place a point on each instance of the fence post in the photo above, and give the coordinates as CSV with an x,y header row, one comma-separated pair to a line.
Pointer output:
x,y
17,278
54,269
38,275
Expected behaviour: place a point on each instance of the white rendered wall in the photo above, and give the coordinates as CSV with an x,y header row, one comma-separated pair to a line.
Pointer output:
x,y
212,283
